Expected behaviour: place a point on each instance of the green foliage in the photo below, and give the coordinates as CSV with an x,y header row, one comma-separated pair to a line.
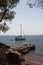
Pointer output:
x,y
6,12
8,3
3,27
35,3
5,9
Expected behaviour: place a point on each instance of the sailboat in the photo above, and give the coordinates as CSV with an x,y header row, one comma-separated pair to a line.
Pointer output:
x,y
20,37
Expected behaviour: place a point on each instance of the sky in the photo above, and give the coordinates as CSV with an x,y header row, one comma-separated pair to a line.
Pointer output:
x,y
30,18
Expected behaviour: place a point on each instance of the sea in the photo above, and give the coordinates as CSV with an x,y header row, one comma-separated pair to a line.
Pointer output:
x,y
33,56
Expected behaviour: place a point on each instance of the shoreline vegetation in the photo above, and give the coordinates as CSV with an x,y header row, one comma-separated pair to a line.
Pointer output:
x,y
15,56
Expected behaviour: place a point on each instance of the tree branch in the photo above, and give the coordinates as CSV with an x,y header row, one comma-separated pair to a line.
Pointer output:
x,y
3,15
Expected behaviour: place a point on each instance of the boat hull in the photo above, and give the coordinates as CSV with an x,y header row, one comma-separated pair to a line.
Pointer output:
x,y
19,38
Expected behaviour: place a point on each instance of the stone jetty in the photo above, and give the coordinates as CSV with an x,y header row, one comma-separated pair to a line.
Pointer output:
x,y
15,56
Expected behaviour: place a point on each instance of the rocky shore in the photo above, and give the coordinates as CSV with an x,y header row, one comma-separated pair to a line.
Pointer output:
x,y
15,56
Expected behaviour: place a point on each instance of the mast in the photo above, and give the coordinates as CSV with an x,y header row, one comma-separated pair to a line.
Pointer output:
x,y
21,29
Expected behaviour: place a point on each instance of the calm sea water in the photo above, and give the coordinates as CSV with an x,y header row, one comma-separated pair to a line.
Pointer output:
x,y
37,55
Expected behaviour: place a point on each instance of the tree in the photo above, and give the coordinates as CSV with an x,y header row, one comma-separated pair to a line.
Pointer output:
x,y
6,12
37,3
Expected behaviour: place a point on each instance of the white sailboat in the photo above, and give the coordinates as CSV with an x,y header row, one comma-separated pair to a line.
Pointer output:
x,y
20,37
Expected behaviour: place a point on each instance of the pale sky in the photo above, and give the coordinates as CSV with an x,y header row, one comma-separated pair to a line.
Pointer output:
x,y
30,18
